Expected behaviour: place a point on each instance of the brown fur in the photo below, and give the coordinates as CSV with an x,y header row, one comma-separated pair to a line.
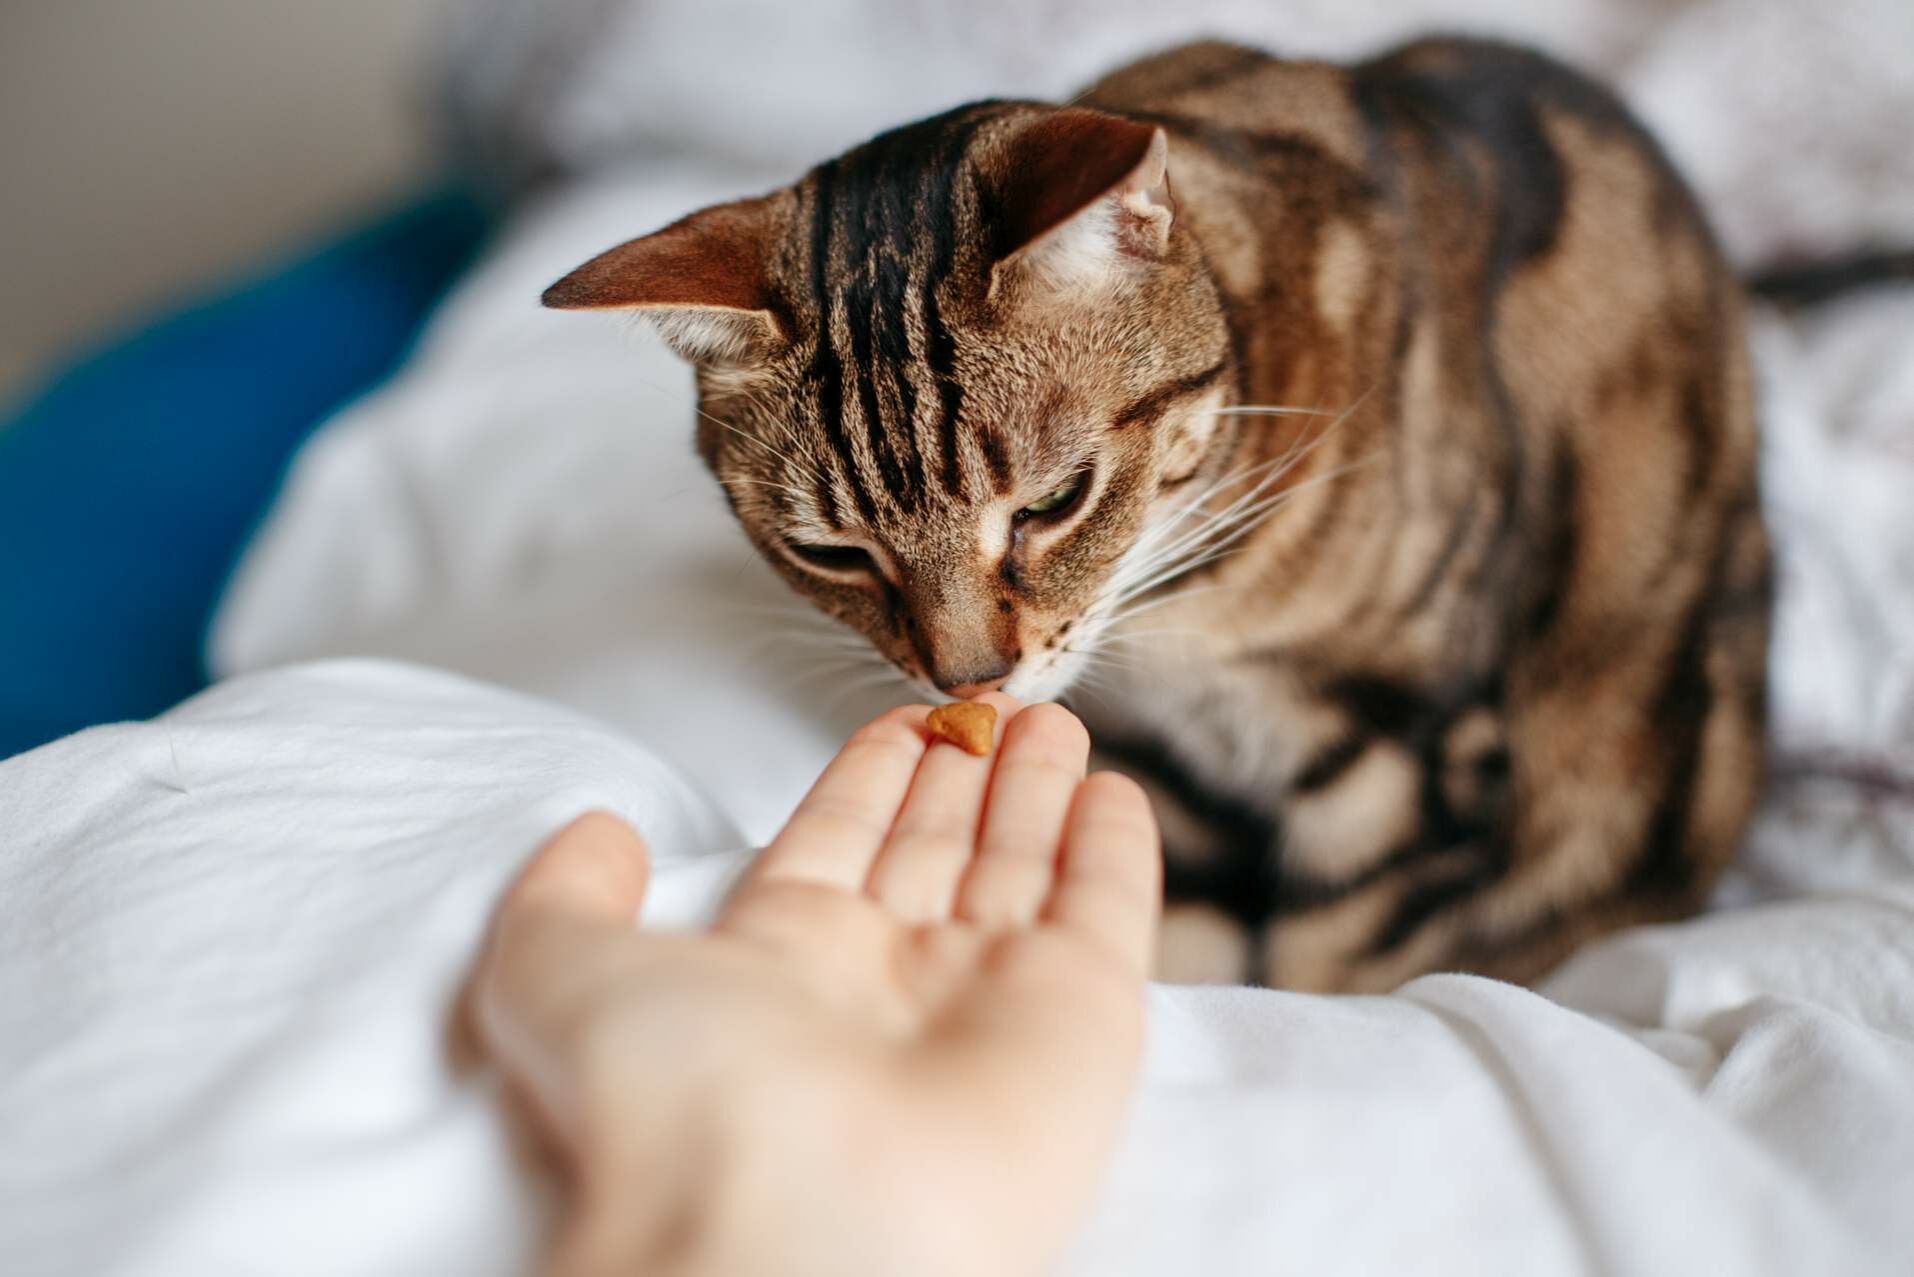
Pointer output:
x,y
1467,664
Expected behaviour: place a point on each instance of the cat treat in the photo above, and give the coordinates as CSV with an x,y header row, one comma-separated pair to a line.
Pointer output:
x,y
969,725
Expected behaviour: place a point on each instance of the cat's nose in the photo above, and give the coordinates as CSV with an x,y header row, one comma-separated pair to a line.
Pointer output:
x,y
965,691
973,682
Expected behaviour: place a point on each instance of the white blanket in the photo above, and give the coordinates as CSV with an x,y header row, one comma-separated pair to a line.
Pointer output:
x,y
229,939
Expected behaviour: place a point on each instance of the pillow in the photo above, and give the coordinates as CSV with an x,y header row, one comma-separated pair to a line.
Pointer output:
x,y
130,482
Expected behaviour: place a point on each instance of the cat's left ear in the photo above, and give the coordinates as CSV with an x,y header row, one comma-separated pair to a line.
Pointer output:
x,y
701,280
1086,200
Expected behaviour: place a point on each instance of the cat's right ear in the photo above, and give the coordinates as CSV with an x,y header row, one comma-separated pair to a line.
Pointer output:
x,y
701,280
1086,201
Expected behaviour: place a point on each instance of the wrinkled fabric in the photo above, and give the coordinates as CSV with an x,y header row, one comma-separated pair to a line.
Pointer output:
x,y
232,942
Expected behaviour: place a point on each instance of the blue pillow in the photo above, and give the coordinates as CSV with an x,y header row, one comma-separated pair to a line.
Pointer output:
x,y
131,481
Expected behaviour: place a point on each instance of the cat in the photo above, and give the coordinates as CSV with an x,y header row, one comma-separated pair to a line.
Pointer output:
x,y
1367,451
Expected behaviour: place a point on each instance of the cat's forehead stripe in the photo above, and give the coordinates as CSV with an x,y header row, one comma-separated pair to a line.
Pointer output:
x,y
884,239
940,349
826,371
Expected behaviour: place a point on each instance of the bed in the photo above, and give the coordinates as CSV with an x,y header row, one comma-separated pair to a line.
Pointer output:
x,y
501,590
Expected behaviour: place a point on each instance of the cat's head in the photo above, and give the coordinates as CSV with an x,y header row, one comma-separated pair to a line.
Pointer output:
x,y
948,378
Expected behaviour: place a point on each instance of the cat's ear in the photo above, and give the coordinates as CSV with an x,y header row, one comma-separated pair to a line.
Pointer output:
x,y
1087,198
702,280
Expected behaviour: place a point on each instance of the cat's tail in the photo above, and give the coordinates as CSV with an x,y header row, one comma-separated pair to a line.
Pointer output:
x,y
1807,283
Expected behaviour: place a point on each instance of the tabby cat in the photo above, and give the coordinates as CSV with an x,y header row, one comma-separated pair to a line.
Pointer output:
x,y
1378,440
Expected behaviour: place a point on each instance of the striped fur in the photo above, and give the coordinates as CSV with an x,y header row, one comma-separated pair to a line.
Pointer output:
x,y
1415,561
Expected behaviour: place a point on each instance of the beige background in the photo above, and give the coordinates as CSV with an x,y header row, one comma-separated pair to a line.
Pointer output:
x,y
147,146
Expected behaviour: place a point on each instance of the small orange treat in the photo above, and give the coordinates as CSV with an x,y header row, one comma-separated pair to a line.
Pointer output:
x,y
968,725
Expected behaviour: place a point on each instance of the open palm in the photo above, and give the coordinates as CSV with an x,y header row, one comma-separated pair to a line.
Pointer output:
x,y
918,1017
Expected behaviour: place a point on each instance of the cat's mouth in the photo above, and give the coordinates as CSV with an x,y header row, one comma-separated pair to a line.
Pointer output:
x,y
1046,677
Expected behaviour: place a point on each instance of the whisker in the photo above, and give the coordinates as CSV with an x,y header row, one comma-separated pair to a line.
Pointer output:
x,y
1213,535
1150,605
862,687
795,458
1266,473
1149,566
792,458
1269,410
804,614
794,607
803,625
1098,658
814,668
767,483
1241,526
877,676
1092,681
1135,636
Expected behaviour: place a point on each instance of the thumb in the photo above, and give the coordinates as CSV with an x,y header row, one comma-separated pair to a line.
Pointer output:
x,y
595,868
562,925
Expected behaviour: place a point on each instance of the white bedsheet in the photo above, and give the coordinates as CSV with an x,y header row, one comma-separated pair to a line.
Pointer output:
x,y
230,941
229,938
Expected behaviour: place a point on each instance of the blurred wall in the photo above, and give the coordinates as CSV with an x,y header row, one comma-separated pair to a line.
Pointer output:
x,y
147,146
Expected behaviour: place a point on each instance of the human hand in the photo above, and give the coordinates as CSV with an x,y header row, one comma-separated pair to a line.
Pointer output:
x,y
905,1045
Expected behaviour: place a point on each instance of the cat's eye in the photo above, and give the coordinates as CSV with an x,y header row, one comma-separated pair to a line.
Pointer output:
x,y
1058,499
834,558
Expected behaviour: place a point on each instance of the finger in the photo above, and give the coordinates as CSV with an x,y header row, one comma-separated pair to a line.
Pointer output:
x,y
570,908
1044,754
595,867
1110,888
836,832
916,873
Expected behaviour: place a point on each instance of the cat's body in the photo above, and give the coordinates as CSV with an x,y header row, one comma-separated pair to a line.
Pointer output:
x,y
1456,660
